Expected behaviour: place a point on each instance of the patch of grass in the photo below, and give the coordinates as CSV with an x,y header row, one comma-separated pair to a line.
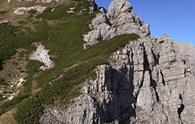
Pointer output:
x,y
2,81
28,111
11,104
11,39
61,11
8,117
56,13
32,68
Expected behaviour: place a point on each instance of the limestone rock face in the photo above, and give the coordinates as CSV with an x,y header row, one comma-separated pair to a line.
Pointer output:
x,y
74,114
118,20
149,81
41,55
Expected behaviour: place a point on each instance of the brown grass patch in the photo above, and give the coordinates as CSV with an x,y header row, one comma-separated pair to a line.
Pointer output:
x,y
8,117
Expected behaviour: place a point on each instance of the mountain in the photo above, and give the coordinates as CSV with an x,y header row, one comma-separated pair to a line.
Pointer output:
x,y
71,62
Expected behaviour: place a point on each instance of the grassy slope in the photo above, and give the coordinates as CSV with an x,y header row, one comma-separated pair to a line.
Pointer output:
x,y
73,64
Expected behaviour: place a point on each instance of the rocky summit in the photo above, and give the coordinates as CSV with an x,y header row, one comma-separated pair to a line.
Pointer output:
x,y
118,20
77,63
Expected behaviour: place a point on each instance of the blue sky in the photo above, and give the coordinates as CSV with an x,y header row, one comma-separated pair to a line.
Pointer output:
x,y
173,17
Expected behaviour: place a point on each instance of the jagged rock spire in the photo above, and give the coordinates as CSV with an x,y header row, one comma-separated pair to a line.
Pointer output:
x,y
119,6
118,20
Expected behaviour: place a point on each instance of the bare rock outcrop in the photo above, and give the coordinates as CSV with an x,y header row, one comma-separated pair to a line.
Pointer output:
x,y
41,55
24,10
149,81
119,19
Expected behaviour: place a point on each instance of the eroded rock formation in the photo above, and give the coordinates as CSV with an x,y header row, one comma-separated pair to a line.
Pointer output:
x,y
149,81
120,19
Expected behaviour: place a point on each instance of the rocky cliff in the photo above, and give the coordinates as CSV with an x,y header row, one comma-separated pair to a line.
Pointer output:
x,y
149,81
145,80
120,19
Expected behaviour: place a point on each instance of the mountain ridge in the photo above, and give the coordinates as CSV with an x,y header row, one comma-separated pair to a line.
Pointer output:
x,y
107,68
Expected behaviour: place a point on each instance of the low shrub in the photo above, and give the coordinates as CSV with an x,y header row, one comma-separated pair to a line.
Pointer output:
x,y
28,111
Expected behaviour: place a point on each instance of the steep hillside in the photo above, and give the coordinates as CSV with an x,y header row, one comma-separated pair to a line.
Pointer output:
x,y
69,62
26,88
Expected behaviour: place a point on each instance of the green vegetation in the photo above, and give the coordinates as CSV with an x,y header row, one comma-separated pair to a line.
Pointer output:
x,y
2,81
10,40
57,13
60,11
6,30
73,65
56,36
11,104
29,110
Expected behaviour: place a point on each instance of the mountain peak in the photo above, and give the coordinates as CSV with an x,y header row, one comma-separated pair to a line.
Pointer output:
x,y
119,6
118,20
